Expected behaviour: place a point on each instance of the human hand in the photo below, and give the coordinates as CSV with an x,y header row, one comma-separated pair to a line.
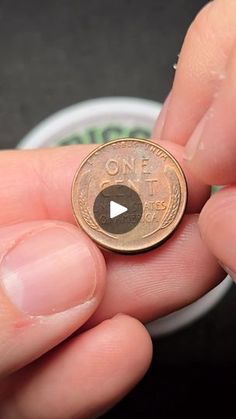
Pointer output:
x,y
48,273
200,113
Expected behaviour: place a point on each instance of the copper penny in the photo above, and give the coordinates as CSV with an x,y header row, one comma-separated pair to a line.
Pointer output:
x,y
129,195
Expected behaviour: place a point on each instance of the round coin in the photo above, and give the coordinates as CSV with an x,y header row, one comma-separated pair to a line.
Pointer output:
x,y
129,195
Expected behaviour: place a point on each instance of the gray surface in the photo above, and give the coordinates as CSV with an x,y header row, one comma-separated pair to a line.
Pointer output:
x,y
56,53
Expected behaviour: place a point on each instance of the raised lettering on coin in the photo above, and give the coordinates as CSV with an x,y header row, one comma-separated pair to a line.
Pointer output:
x,y
129,195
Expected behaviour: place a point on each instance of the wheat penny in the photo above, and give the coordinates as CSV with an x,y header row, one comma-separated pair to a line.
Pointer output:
x,y
129,195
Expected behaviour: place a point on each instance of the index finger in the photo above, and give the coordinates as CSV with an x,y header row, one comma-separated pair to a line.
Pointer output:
x,y
36,184
200,70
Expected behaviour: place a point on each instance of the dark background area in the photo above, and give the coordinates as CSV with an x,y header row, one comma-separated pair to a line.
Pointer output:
x,y
56,53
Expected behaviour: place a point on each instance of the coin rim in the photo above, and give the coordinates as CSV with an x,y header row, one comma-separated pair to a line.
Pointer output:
x,y
118,140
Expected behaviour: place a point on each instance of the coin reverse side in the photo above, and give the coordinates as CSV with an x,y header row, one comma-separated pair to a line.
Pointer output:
x,y
129,195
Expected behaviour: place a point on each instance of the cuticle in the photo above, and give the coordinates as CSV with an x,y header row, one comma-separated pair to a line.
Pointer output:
x,y
14,243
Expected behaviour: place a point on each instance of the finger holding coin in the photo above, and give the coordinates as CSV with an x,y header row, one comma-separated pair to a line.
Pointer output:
x,y
172,275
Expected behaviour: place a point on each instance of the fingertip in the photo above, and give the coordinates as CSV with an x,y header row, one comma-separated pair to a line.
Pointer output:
x,y
127,338
200,67
217,223
210,151
140,337
103,363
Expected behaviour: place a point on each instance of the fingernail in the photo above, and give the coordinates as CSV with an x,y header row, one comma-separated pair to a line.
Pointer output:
x,y
160,122
194,142
49,271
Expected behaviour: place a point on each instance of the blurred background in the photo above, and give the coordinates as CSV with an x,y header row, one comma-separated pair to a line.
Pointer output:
x,y
59,52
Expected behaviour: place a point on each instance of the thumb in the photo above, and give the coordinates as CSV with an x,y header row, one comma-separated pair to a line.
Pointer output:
x,y
52,280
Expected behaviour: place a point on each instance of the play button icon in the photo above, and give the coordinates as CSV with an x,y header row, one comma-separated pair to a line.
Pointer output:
x,y
118,209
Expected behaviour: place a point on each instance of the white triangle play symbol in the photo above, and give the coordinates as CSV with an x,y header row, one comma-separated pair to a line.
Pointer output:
x,y
116,209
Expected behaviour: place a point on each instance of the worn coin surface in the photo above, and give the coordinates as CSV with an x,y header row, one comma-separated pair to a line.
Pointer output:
x,y
129,195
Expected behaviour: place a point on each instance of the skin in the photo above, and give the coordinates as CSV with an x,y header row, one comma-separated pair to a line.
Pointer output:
x,y
204,91
66,338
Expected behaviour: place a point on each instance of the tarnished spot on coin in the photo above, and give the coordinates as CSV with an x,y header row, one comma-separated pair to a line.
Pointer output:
x,y
129,195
